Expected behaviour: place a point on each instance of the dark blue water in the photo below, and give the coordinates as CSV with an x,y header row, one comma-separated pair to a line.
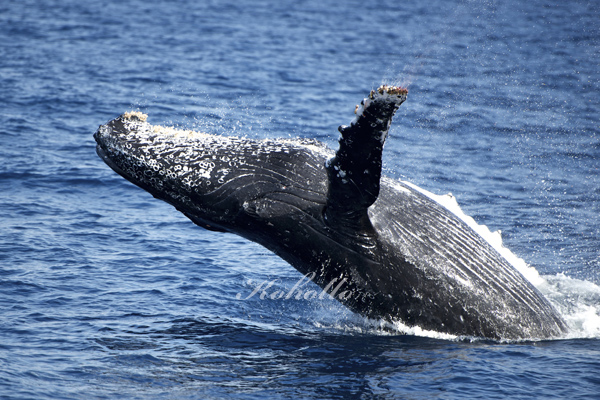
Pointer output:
x,y
107,293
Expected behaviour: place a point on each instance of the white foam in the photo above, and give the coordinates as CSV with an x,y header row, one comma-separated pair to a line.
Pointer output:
x,y
354,323
418,331
578,301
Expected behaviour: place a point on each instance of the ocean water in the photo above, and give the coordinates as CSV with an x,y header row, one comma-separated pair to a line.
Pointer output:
x,y
108,293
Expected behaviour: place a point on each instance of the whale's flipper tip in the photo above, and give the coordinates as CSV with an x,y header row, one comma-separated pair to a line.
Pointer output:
x,y
385,90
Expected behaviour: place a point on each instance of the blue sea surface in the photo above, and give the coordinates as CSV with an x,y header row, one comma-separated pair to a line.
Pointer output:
x,y
107,293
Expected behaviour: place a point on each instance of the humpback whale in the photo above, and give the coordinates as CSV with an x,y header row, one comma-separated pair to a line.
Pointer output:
x,y
400,255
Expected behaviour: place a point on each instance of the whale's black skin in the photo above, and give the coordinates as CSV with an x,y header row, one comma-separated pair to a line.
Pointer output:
x,y
398,254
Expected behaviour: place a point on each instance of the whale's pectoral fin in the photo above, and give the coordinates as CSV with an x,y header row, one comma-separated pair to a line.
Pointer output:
x,y
355,171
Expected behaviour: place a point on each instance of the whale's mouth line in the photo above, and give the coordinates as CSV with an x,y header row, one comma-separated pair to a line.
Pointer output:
x,y
106,158
102,153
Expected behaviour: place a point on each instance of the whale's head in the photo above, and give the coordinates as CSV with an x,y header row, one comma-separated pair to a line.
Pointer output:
x,y
211,179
